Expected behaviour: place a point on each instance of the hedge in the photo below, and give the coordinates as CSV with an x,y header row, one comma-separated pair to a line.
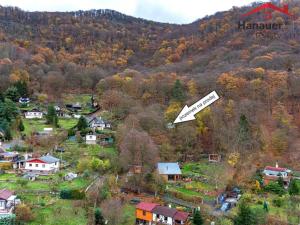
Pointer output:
x,y
72,194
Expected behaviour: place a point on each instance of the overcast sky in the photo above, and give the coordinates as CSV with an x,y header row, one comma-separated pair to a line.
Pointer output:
x,y
172,11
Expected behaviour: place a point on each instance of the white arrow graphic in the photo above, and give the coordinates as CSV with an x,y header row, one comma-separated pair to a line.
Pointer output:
x,y
188,113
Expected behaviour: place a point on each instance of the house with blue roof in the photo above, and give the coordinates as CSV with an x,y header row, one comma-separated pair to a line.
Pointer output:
x,y
169,171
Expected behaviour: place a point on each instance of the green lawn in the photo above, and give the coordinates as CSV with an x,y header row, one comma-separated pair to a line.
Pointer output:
x,y
190,193
67,123
78,183
205,176
60,212
34,125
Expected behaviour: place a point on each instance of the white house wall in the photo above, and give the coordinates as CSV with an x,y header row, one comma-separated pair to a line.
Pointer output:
x,y
157,219
41,166
33,115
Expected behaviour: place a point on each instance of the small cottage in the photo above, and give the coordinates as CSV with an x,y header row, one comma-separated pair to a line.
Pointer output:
x,y
169,171
91,139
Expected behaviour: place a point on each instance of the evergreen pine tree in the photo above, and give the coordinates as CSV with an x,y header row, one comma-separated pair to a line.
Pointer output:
x,y
178,93
82,124
12,94
99,219
8,135
197,218
245,215
21,86
21,126
51,116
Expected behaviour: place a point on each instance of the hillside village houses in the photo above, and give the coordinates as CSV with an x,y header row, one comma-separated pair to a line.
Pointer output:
x,y
33,114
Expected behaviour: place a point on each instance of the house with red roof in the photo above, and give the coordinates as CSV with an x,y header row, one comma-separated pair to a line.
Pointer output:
x,y
44,165
152,214
271,173
8,201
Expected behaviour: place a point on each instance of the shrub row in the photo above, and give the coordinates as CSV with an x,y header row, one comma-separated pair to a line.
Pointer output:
x,y
72,194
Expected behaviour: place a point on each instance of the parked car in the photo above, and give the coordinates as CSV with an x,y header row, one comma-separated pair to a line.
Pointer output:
x,y
135,201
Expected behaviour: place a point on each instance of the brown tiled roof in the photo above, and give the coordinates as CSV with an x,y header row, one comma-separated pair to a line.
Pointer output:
x,y
182,216
164,211
146,206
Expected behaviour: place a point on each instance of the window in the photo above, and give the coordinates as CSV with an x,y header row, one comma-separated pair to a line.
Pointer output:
x,y
43,165
36,165
144,213
30,165
166,218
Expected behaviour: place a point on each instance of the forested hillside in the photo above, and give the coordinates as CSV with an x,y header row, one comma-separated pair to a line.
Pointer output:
x,y
144,72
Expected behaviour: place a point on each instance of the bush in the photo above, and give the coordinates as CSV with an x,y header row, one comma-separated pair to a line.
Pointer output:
x,y
194,199
71,132
275,187
278,202
72,194
5,165
24,213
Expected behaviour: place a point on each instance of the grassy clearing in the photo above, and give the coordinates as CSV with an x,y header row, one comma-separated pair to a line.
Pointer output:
x,y
60,212
78,183
34,126
75,151
205,176
67,123
286,212
190,193
74,98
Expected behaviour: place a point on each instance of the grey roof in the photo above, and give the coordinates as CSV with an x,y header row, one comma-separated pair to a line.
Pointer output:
x,y
96,120
168,168
49,159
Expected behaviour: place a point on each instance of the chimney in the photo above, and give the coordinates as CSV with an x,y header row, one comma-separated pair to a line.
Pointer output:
x,y
170,206
276,165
